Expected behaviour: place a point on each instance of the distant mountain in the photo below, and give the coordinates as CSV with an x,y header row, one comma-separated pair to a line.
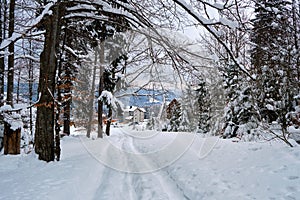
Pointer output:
x,y
146,97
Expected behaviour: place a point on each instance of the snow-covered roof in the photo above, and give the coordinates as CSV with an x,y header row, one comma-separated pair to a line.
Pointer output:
x,y
142,109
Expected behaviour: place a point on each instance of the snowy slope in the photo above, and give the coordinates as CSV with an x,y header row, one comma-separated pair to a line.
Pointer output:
x,y
150,165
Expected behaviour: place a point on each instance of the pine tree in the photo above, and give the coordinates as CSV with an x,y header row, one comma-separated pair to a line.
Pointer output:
x,y
240,111
271,59
189,123
174,115
82,96
203,103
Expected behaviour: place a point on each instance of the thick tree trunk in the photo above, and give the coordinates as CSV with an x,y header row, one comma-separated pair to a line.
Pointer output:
x,y
12,140
44,135
11,49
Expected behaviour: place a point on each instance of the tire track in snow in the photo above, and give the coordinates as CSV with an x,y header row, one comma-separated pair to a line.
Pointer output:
x,y
116,184
170,188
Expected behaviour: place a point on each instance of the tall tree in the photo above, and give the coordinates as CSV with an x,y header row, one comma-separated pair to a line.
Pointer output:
x,y
11,49
2,36
174,115
91,99
113,72
271,59
203,103
44,135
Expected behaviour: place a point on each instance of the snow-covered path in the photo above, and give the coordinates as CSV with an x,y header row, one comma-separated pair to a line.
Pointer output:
x,y
144,165
127,183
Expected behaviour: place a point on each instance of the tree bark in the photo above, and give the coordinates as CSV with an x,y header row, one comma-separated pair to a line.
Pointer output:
x,y
91,99
18,86
2,69
30,86
44,135
67,100
101,85
67,115
2,64
11,49
12,140
109,118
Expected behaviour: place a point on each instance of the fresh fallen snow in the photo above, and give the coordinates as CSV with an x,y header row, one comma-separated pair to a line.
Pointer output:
x,y
150,165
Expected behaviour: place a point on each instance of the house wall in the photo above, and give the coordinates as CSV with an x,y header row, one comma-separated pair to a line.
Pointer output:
x,y
137,114
142,116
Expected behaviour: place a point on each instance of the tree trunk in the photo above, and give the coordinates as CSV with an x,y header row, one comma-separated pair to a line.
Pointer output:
x,y
18,86
2,64
2,70
30,86
91,99
100,102
67,115
11,49
12,140
109,118
57,124
58,108
44,135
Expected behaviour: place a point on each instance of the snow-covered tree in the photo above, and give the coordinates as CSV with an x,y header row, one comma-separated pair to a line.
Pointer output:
x,y
271,59
174,115
188,106
203,106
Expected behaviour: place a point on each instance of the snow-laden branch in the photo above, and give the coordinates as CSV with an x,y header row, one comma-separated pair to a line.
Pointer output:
x,y
28,57
108,98
206,24
87,10
9,109
30,25
71,51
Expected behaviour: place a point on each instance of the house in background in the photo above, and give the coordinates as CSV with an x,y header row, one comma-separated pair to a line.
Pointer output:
x,y
134,114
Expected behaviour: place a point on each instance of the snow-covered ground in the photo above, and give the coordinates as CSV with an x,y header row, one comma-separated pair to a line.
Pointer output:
x,y
150,165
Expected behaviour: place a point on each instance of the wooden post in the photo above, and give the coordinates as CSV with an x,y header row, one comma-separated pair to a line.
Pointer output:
x,y
12,140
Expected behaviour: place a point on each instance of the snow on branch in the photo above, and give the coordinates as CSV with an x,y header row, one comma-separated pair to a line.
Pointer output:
x,y
207,25
71,51
28,57
8,109
30,25
108,98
